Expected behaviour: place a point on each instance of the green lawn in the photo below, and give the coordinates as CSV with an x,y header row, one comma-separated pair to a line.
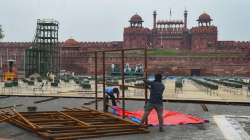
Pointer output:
x,y
171,52
162,52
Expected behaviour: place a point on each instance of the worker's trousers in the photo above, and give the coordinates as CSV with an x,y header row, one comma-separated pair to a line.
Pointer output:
x,y
148,108
106,100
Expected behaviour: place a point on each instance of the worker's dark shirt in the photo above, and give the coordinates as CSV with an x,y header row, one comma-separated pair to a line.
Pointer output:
x,y
156,91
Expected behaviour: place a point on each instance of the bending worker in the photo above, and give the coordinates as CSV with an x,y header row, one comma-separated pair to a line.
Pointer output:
x,y
110,93
155,101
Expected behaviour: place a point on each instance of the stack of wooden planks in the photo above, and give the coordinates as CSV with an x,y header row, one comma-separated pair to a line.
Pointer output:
x,y
71,123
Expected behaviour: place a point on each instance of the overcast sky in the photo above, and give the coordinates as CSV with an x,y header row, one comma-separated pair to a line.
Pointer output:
x,y
104,20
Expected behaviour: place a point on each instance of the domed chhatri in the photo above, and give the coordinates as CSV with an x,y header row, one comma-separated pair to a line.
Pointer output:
x,y
204,18
71,42
136,19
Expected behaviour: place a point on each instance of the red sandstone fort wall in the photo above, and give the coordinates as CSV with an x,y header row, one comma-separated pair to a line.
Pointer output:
x,y
136,37
74,58
202,36
14,51
180,65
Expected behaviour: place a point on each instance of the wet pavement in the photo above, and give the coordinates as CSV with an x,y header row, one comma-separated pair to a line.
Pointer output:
x,y
208,131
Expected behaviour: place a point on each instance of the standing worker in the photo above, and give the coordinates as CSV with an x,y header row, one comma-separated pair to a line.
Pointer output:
x,y
109,93
155,101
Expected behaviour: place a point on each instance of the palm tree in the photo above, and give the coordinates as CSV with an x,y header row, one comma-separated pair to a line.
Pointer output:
x,y
1,32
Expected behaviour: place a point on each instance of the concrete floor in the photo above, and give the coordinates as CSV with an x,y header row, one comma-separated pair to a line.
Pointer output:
x,y
209,131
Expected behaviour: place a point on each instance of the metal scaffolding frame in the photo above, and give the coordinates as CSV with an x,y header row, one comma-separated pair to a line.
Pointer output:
x,y
71,123
122,51
44,55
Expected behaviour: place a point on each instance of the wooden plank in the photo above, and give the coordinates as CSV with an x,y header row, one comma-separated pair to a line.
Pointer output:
x,y
86,128
20,124
112,116
6,118
90,120
59,128
39,113
91,128
106,126
48,120
100,117
56,123
97,132
25,120
116,125
73,123
81,122
15,121
98,135
87,114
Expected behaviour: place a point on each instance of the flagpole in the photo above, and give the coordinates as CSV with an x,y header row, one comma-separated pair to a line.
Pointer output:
x,y
170,13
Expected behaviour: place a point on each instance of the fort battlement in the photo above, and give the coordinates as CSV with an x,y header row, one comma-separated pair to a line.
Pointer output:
x,y
204,29
231,45
101,44
15,44
83,44
137,30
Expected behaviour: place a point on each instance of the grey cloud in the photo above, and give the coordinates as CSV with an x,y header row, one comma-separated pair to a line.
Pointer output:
x,y
104,20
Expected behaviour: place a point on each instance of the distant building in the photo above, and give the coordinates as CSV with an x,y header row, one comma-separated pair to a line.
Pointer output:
x,y
174,34
198,50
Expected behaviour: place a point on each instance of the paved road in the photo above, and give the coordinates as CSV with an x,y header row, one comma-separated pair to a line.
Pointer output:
x,y
208,131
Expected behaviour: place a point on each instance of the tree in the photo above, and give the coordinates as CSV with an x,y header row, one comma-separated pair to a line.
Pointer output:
x,y
1,32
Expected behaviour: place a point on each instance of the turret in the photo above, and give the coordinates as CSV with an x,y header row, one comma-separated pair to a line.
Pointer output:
x,y
185,18
154,19
136,36
204,20
136,21
204,34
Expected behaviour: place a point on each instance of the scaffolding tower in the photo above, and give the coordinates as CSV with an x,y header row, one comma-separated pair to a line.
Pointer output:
x,y
44,55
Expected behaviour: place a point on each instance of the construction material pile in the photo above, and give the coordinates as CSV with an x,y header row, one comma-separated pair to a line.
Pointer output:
x,y
73,123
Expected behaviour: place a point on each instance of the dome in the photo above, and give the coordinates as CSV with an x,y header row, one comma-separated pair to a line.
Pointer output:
x,y
204,18
71,42
136,19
